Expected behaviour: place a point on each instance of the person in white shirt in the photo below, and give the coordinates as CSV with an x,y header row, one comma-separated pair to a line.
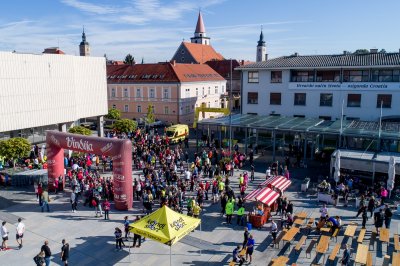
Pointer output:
x,y
274,231
323,211
20,232
268,172
4,235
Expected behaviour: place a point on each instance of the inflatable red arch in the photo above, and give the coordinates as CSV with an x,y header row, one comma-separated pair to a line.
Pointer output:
x,y
119,150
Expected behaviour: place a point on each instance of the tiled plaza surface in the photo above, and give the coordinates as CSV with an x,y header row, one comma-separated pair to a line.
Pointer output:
x,y
92,241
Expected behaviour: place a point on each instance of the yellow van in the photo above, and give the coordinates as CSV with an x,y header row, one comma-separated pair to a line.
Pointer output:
x,y
176,133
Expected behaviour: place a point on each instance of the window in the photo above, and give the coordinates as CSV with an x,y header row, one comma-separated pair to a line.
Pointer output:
x,y
138,93
152,93
252,97
302,76
275,98
209,90
216,90
187,109
139,109
328,76
385,75
114,106
197,92
126,108
202,92
276,76
299,99
385,100
126,93
166,93
223,89
253,77
113,93
328,118
325,99
355,75
187,93
353,100
166,110
182,58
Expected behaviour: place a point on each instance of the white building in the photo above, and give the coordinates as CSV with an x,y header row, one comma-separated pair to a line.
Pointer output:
x,y
318,85
49,90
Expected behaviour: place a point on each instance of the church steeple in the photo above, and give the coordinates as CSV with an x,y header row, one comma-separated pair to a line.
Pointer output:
x,y
84,47
200,35
261,49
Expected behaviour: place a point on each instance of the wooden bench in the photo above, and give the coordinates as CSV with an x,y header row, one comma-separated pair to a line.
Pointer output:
x,y
232,263
310,247
360,238
335,233
279,238
299,244
280,261
372,240
369,259
396,242
334,253
310,224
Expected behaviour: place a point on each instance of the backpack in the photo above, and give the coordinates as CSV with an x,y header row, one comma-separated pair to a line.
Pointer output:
x,y
94,203
38,260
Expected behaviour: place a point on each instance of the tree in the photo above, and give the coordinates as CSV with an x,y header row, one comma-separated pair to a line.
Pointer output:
x,y
361,51
113,114
150,115
129,60
15,148
80,130
125,125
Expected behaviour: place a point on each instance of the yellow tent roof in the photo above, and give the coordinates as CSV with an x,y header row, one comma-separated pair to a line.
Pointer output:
x,y
165,226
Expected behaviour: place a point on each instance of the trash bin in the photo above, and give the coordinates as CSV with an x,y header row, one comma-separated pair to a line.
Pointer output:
x,y
249,226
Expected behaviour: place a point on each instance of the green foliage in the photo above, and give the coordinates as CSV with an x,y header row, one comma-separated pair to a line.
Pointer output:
x,y
113,114
15,148
125,125
129,60
80,130
150,115
362,51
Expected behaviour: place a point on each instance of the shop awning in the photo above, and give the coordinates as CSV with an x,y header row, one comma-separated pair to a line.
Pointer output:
x,y
270,180
267,196
252,196
281,183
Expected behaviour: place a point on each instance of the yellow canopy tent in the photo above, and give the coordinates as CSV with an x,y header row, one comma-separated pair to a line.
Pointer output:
x,y
165,226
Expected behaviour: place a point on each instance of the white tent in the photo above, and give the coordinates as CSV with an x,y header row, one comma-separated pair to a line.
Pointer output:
x,y
336,175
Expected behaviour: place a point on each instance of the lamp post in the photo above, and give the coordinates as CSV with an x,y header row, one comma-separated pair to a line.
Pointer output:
x,y
230,112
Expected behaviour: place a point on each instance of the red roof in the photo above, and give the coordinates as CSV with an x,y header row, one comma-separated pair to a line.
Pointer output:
x,y
202,53
52,50
200,24
223,67
161,72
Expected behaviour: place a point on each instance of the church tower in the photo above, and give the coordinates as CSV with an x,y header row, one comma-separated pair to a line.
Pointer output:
x,y
261,49
200,35
84,47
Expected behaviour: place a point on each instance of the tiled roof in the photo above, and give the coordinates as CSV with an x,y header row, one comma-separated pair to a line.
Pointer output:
x,y
223,67
202,53
341,60
161,73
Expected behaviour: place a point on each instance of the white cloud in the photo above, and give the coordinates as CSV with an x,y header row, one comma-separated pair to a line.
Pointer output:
x,y
90,8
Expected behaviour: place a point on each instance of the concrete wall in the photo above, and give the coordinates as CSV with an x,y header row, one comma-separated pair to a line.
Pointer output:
x,y
39,90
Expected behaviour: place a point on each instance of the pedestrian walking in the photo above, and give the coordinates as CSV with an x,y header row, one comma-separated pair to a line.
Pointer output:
x,y
388,216
250,248
4,236
106,207
64,252
73,201
47,252
45,200
126,227
274,231
245,236
379,220
20,232
136,237
346,256
364,218
229,211
118,238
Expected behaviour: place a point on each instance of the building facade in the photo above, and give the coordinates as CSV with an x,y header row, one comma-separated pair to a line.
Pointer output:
x,y
324,86
49,89
174,90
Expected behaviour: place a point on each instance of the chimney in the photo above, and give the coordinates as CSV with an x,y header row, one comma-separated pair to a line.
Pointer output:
x,y
373,51
266,57
173,62
242,62
296,54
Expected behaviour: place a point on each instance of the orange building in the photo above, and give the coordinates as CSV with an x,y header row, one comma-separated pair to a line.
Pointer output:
x,y
175,90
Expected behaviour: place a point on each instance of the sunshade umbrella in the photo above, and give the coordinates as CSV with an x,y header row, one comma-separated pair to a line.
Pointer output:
x,y
336,175
391,174
165,226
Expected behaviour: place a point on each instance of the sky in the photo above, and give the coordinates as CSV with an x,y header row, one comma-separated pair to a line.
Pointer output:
x,y
153,29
